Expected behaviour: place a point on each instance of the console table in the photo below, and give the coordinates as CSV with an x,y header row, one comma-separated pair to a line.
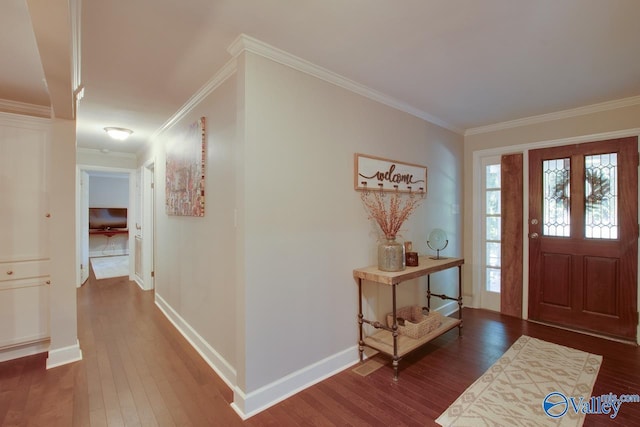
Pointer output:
x,y
386,339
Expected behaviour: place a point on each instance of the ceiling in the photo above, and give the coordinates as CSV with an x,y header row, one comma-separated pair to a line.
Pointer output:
x,y
463,63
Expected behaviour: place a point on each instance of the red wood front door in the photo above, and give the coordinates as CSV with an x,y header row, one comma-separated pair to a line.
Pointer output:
x,y
583,236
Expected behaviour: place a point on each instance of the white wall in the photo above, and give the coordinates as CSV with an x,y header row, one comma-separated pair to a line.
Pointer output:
x,y
108,191
90,157
272,301
304,228
195,256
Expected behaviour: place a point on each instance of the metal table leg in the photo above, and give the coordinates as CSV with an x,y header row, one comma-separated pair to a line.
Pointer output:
x,y
360,317
395,335
460,299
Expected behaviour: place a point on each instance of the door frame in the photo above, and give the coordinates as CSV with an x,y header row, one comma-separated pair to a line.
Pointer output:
x,y
81,202
83,218
147,231
476,236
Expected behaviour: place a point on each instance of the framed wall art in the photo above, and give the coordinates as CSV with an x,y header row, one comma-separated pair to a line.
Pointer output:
x,y
186,171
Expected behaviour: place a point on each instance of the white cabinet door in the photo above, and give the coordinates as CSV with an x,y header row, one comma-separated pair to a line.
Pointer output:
x,y
24,225
24,312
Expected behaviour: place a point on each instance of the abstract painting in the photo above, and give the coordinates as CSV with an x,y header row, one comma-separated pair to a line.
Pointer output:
x,y
186,170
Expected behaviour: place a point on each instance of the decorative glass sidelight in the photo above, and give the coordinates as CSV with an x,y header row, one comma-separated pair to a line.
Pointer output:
x,y
556,183
601,196
492,225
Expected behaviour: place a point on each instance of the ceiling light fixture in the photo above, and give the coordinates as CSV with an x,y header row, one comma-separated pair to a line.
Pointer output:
x,y
118,133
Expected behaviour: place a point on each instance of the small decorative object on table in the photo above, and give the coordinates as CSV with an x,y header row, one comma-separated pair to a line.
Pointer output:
x,y
390,255
437,241
412,259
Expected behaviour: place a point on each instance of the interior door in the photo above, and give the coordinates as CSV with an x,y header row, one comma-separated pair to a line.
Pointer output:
x,y
583,236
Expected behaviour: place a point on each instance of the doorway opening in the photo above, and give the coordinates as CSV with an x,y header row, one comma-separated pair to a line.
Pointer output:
x,y
105,216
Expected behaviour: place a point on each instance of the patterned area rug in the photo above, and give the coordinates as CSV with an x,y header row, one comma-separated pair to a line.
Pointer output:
x,y
512,391
110,266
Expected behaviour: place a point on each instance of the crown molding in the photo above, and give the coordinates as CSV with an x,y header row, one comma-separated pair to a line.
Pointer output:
x,y
17,107
247,43
95,151
22,120
220,77
564,114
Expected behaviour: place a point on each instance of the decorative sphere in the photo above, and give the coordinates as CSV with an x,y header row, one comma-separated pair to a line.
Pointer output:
x,y
437,239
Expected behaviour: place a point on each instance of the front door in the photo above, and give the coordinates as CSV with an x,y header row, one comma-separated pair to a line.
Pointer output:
x,y
583,236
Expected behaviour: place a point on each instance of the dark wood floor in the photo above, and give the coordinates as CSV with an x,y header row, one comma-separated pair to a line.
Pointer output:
x,y
139,371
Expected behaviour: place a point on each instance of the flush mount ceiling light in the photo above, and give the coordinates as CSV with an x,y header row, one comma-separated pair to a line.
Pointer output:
x,y
118,133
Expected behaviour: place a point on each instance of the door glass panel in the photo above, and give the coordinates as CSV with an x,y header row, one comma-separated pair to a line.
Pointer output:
x,y
493,202
493,228
493,279
555,203
601,196
493,254
493,176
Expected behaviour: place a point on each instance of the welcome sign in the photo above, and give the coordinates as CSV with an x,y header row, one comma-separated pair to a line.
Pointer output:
x,y
376,173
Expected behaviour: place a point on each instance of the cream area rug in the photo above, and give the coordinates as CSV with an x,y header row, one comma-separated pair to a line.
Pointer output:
x,y
110,266
532,379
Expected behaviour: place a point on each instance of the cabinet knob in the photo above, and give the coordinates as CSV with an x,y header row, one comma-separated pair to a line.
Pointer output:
x,y
48,282
9,272
48,215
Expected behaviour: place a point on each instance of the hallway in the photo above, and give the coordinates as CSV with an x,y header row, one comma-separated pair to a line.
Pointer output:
x,y
136,370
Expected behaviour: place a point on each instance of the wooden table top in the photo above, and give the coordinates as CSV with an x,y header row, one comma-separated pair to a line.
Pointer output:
x,y
426,265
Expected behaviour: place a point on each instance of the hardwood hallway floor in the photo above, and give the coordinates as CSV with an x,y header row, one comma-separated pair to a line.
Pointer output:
x,y
139,371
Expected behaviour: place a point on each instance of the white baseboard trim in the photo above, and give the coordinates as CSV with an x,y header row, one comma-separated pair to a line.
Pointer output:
x,y
138,281
469,301
64,355
448,308
24,350
208,353
248,405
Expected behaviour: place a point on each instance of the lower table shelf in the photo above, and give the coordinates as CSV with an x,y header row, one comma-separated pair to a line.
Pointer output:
x,y
382,340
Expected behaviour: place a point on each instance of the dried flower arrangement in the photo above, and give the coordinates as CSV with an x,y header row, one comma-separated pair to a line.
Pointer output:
x,y
389,216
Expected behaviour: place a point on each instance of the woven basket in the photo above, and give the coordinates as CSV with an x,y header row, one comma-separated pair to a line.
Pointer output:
x,y
416,324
